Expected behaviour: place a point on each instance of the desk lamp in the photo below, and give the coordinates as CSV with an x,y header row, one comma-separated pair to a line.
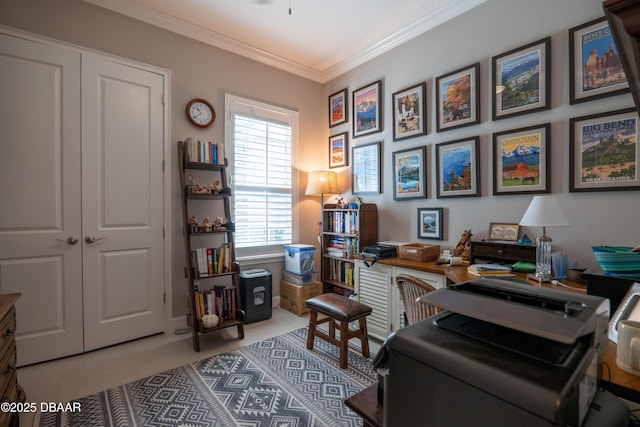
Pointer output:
x,y
320,183
544,211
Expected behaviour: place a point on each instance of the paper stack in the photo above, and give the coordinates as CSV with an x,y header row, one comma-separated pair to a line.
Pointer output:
x,y
489,270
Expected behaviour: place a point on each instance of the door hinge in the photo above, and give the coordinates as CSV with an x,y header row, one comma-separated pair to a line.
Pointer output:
x,y
163,232
162,98
164,297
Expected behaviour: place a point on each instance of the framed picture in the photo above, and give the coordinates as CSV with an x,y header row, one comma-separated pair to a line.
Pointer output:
x,y
458,98
430,223
409,174
521,80
594,63
521,160
458,168
365,169
367,109
409,112
603,152
338,149
338,113
501,231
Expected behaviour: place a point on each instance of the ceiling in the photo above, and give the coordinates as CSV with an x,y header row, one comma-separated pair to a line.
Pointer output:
x,y
315,39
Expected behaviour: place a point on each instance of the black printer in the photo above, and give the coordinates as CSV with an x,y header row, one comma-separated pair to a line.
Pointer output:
x,y
502,354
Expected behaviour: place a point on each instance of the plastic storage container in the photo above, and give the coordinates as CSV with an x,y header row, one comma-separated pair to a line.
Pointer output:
x,y
255,294
299,258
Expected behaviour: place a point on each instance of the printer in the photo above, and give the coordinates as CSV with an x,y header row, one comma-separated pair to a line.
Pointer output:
x,y
502,353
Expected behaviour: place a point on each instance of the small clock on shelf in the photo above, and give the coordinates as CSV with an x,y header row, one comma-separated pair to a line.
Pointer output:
x,y
200,113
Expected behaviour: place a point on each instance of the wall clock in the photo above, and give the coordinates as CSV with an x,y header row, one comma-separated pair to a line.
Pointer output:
x,y
200,113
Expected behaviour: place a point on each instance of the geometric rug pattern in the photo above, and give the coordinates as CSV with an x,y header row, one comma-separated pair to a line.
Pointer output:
x,y
272,383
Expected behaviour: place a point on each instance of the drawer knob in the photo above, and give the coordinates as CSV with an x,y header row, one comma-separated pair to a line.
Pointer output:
x,y
500,251
8,333
9,369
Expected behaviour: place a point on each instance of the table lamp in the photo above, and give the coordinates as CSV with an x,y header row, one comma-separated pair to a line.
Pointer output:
x,y
320,183
544,211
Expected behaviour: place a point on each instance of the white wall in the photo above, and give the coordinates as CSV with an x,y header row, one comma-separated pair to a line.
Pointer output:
x,y
493,28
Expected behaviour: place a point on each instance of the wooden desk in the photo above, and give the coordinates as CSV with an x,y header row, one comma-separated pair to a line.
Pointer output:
x,y
614,379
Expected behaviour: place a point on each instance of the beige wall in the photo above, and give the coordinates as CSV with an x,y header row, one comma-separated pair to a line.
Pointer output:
x,y
491,29
199,70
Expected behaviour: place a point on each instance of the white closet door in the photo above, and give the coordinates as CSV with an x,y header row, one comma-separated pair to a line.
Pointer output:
x,y
122,202
40,196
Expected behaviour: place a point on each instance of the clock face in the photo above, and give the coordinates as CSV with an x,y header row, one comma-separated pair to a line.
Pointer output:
x,y
200,113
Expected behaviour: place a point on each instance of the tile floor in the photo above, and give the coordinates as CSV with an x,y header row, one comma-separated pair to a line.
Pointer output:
x,y
73,377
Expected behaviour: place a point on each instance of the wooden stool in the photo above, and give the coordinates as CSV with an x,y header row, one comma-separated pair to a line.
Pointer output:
x,y
338,308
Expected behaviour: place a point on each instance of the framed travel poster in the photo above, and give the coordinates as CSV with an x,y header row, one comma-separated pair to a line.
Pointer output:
x,y
594,63
367,109
338,108
365,169
409,174
521,160
521,80
409,112
338,149
603,152
458,168
458,98
430,223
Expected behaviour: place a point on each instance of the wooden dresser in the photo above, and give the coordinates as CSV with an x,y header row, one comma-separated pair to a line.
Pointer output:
x,y
9,376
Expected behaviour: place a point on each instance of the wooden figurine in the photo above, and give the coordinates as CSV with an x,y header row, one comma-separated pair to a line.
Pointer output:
x,y
463,248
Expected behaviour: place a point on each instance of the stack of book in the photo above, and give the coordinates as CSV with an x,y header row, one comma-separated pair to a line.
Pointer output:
x,y
489,270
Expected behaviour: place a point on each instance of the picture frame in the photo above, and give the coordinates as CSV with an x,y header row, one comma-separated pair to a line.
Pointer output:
x,y
522,160
367,109
591,139
365,168
338,150
521,79
409,112
589,44
458,168
430,222
504,231
409,174
458,98
338,108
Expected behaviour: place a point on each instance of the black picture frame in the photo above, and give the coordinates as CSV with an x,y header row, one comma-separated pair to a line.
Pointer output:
x,y
338,108
458,168
367,109
611,140
430,223
463,109
521,80
339,150
409,174
366,168
522,160
409,112
594,77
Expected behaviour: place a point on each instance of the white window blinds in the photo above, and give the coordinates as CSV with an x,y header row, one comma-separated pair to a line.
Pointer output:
x,y
262,142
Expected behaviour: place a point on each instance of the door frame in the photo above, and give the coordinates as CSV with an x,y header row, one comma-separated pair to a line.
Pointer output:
x,y
166,153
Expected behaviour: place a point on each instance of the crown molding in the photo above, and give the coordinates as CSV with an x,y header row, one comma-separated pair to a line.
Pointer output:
x,y
195,32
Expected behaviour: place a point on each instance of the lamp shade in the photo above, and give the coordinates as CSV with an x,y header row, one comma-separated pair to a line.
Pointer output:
x,y
544,211
321,182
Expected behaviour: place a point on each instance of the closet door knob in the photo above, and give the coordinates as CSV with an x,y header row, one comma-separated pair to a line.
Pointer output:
x,y
71,240
93,239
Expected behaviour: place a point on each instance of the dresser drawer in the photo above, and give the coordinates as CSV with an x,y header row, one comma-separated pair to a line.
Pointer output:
x,y
502,252
8,327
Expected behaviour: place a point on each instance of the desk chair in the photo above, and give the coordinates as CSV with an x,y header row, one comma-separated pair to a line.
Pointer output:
x,y
411,288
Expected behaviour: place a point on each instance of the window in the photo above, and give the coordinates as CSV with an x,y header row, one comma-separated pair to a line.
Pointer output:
x,y
261,140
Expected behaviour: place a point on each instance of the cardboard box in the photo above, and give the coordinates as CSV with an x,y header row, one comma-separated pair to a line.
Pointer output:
x,y
293,297
419,252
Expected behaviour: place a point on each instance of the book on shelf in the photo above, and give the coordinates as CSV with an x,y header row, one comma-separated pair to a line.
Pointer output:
x,y
204,152
207,262
220,300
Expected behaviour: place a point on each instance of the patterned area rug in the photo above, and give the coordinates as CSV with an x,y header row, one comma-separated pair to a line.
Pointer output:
x,y
276,382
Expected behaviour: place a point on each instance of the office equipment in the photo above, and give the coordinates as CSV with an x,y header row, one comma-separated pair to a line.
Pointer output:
x,y
255,294
504,353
